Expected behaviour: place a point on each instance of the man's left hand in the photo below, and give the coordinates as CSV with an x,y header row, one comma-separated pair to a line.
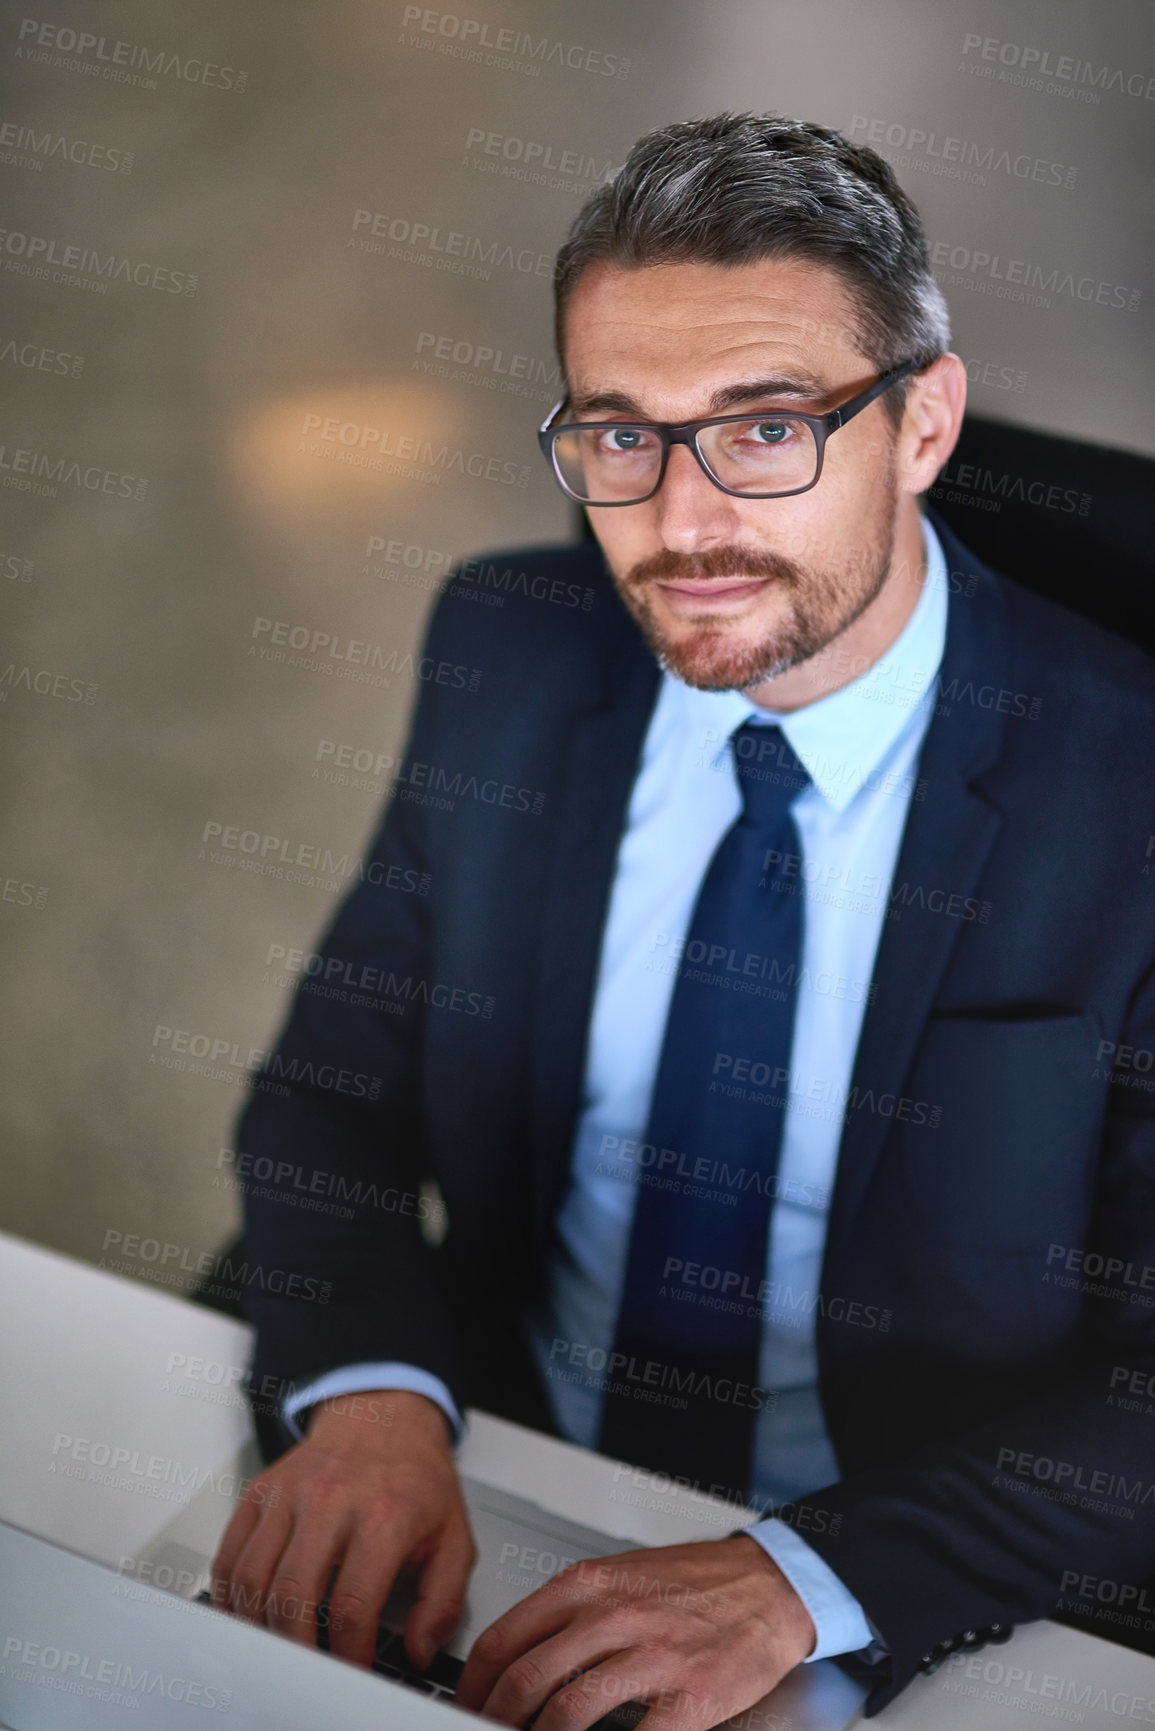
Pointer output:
x,y
700,1631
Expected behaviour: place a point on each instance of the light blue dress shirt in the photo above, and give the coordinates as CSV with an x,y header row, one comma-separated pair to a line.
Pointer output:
x,y
860,746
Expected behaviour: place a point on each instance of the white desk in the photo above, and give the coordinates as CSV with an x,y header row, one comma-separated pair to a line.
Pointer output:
x,y
126,1437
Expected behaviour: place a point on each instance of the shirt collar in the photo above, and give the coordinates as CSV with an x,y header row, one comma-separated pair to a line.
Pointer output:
x,y
842,739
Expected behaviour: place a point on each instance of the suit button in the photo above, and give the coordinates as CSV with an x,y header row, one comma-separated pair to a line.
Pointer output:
x,y
931,1661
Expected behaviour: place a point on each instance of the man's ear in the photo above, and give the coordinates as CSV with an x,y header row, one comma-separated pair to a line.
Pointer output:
x,y
931,421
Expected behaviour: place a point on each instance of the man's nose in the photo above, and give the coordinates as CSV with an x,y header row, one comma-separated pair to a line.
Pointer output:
x,y
691,512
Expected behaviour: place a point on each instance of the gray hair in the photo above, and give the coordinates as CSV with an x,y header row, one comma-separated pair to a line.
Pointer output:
x,y
739,188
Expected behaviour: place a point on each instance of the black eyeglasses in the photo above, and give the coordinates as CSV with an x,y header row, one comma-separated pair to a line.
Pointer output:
x,y
763,456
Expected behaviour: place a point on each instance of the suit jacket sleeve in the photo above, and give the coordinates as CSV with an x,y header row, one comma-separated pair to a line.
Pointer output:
x,y
981,1527
338,1270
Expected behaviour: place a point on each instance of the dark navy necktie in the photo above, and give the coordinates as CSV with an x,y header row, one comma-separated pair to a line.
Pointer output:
x,y
681,1386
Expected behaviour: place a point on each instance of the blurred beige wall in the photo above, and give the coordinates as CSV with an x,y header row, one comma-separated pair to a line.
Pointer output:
x,y
224,297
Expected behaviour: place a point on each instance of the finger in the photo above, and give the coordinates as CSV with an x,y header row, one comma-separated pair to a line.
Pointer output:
x,y
679,1710
233,1541
253,1569
368,1571
301,1575
531,1680
523,1627
633,1675
440,1593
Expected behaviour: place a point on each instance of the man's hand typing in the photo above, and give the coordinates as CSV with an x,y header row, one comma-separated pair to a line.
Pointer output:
x,y
699,1630
371,1487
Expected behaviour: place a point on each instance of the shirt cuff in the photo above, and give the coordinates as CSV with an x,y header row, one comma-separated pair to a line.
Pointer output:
x,y
357,1378
839,1620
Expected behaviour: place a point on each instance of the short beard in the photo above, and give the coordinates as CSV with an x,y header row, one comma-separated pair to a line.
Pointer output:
x,y
823,604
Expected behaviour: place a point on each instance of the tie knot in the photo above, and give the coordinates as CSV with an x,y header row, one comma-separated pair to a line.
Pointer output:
x,y
769,772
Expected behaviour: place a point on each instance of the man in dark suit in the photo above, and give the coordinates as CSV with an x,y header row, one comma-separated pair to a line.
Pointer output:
x,y
758,977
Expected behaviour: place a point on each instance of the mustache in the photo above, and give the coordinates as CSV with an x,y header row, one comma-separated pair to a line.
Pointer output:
x,y
729,561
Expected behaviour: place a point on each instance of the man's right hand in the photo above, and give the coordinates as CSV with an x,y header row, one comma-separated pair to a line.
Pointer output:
x,y
371,1487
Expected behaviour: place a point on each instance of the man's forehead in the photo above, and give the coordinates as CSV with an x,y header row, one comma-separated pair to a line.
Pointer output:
x,y
780,310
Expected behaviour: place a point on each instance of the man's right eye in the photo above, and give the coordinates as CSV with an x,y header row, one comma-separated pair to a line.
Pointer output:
x,y
624,440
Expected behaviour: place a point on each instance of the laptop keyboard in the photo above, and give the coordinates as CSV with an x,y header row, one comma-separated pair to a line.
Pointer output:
x,y
441,1678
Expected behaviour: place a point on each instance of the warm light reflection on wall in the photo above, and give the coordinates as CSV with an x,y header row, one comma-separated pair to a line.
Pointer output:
x,y
300,461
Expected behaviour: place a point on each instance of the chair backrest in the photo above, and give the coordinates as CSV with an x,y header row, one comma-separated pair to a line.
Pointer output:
x,y
1070,520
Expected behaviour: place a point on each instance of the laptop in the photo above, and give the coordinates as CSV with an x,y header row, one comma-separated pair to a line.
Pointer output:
x,y
82,1645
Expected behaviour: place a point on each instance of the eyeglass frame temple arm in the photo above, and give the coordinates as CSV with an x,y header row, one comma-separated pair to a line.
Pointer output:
x,y
839,417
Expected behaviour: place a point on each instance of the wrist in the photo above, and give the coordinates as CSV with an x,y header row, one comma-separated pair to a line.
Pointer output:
x,y
791,1618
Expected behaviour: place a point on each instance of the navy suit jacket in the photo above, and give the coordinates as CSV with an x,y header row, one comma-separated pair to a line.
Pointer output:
x,y
985,1439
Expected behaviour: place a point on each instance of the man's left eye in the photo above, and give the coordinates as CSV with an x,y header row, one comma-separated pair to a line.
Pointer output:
x,y
770,432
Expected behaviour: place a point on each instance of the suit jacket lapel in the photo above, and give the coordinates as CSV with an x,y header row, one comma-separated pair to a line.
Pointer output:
x,y
948,837
599,766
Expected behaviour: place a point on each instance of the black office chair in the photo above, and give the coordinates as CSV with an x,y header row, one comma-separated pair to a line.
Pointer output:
x,y
1070,520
